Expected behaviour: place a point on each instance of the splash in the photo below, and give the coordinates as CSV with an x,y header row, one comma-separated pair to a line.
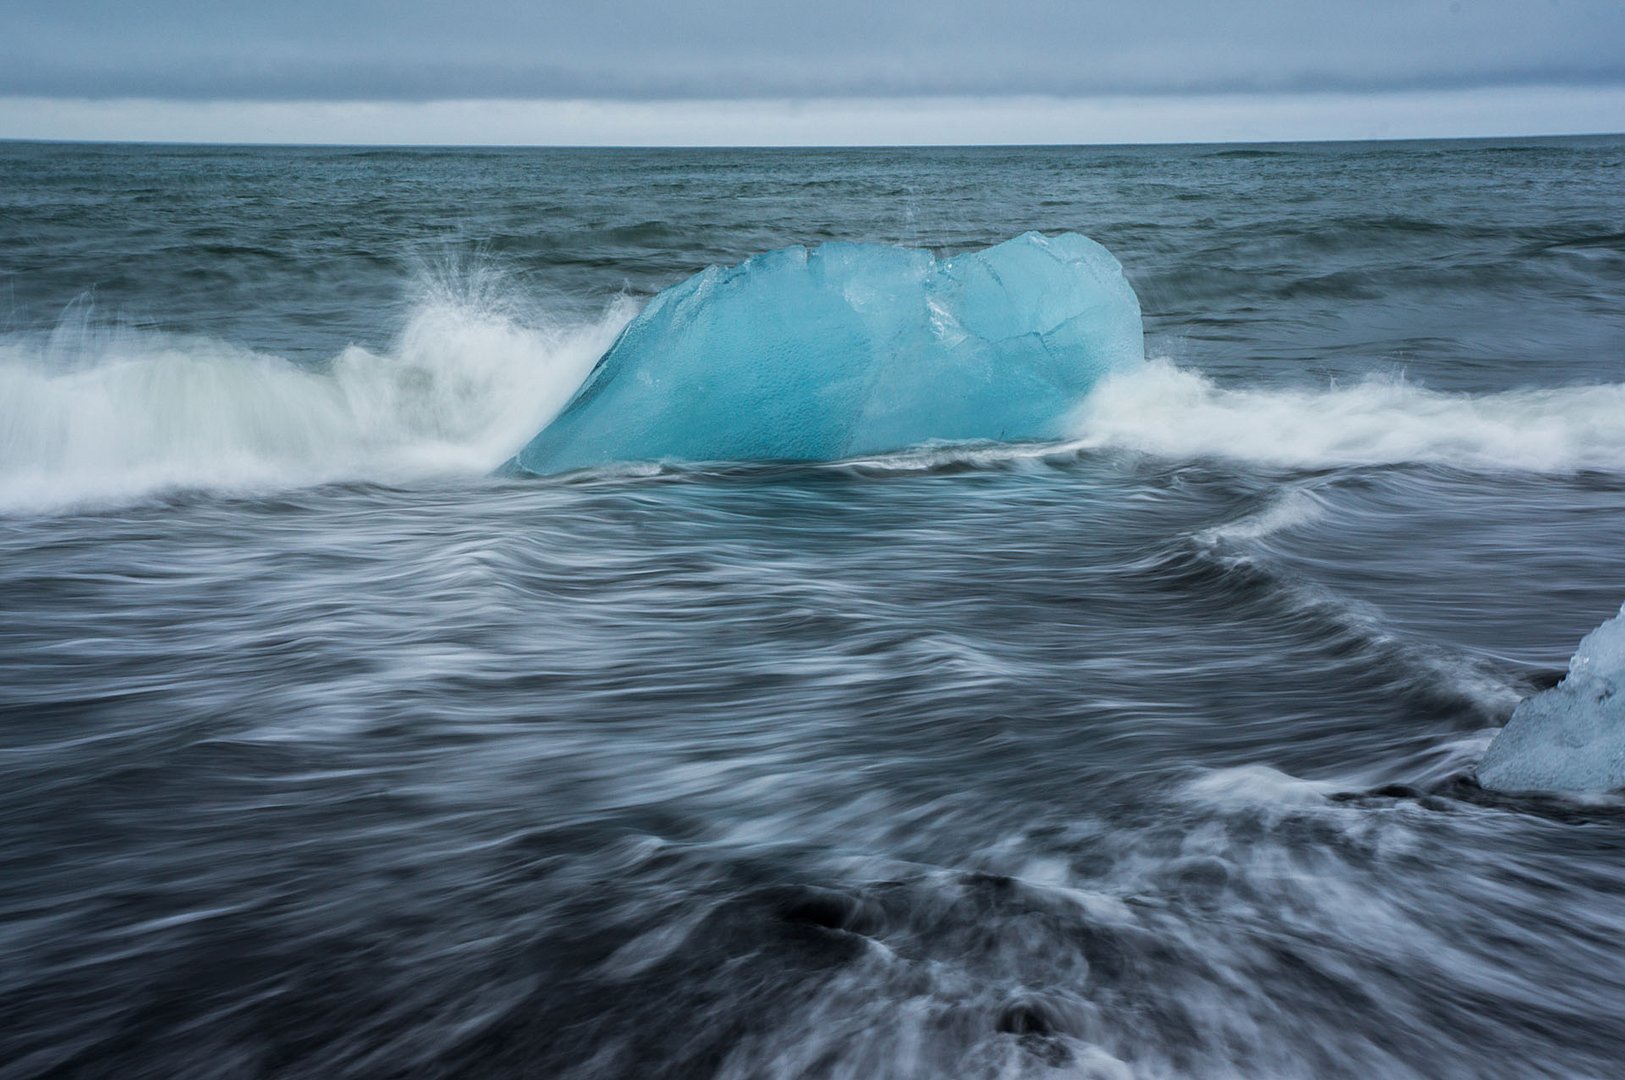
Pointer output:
x,y
107,416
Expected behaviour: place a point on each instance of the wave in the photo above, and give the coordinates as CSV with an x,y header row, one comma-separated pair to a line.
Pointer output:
x,y
94,416
1173,412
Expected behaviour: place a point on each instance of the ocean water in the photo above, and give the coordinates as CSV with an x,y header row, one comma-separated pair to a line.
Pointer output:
x,y
325,752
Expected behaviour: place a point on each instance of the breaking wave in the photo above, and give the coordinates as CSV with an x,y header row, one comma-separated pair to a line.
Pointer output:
x,y
1176,413
107,416
96,416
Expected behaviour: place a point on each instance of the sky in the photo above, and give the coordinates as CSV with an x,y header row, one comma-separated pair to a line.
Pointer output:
x,y
732,72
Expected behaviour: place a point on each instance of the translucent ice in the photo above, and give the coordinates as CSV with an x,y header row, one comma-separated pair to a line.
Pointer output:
x,y
1570,738
850,349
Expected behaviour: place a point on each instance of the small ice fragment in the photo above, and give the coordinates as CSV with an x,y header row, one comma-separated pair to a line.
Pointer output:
x,y
1570,738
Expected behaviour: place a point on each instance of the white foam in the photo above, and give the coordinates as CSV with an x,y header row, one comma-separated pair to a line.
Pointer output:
x,y
1171,412
1249,785
1296,507
91,417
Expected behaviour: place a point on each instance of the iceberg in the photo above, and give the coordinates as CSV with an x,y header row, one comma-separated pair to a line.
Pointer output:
x,y
846,349
1570,738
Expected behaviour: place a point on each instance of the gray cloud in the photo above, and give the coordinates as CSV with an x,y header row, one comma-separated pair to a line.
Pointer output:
x,y
418,50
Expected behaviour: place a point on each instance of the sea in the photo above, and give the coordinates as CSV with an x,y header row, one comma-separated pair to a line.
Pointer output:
x,y
330,749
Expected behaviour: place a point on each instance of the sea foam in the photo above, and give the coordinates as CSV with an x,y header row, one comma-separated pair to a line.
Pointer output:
x,y
1173,412
97,416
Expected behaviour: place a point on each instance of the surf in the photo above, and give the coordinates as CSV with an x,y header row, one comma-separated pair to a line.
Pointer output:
x,y
1172,412
887,356
101,416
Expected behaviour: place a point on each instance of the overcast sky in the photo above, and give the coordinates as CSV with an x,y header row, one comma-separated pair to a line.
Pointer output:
x,y
832,71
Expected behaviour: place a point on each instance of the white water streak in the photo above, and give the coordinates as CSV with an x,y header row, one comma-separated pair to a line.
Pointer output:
x,y
1176,413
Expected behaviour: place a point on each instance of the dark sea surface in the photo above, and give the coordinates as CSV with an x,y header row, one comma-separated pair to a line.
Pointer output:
x,y
326,753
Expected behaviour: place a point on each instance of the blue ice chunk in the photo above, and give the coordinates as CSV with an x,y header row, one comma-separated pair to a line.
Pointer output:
x,y
1570,738
852,349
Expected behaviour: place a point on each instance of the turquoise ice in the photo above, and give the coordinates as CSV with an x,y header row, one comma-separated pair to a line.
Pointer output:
x,y
846,349
1570,738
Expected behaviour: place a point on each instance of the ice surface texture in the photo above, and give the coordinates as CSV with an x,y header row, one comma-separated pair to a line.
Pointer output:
x,y
849,349
1570,738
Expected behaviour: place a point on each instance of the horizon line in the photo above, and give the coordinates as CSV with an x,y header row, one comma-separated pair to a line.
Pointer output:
x,y
340,145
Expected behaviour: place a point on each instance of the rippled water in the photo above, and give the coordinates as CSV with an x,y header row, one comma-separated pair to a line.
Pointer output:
x,y
325,753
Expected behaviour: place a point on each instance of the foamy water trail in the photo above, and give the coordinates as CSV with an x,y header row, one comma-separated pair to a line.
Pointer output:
x,y
1176,413
90,417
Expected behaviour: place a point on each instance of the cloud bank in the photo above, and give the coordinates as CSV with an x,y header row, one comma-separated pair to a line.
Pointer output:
x,y
721,49
1082,64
